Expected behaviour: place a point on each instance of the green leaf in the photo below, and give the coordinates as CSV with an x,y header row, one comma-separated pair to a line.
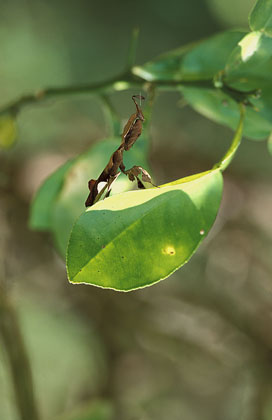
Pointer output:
x,y
8,131
46,196
197,61
137,238
40,214
69,201
221,108
249,66
260,19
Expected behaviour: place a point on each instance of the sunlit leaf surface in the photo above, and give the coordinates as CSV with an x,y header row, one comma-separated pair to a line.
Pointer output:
x,y
138,238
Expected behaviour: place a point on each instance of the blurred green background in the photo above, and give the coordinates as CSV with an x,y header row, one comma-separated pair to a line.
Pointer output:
x,y
195,346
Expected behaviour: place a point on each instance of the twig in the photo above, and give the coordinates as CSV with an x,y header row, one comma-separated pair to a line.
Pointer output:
x,y
122,82
111,116
132,49
117,83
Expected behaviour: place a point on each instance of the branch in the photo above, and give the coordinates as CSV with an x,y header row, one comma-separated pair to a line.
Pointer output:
x,y
122,82
111,116
118,83
132,48
12,339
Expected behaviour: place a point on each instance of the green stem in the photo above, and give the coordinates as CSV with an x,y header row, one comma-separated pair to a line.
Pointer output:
x,y
13,342
227,158
132,48
111,116
117,83
122,82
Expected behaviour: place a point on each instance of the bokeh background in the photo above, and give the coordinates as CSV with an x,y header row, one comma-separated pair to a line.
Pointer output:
x,y
195,346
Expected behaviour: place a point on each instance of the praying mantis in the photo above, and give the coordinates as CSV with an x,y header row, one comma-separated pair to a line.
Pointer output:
x,y
131,132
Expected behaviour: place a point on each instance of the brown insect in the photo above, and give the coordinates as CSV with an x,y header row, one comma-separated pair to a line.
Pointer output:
x,y
133,127
131,132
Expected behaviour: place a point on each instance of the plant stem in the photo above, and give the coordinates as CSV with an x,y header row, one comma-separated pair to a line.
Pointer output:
x,y
124,81
132,48
229,155
13,342
111,116
101,87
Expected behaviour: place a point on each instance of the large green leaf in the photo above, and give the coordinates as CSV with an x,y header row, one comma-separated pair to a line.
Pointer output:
x,y
137,238
197,61
221,108
260,18
69,203
249,66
